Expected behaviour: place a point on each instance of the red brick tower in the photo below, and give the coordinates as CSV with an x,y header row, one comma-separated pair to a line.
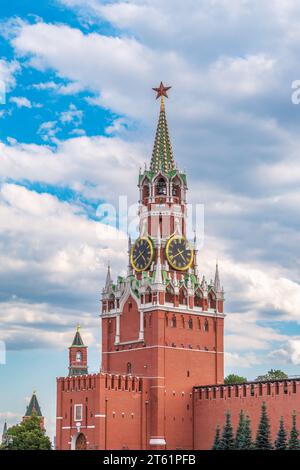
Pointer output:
x,y
162,321
78,356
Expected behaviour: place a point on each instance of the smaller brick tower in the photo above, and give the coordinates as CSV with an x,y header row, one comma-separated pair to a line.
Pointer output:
x,y
78,356
34,408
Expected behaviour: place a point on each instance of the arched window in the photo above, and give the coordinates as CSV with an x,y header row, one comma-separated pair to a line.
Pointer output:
x,y
145,190
182,296
206,327
169,295
167,319
199,323
161,187
129,368
176,187
78,356
111,302
190,323
182,321
174,321
198,299
148,296
212,300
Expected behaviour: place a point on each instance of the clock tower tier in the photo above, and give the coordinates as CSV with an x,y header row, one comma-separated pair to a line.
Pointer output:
x,y
163,321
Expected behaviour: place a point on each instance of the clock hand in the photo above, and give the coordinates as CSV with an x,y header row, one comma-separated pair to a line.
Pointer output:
x,y
179,253
141,254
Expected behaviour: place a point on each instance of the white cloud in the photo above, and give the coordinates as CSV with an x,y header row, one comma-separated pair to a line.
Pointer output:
x,y
72,115
233,361
8,71
48,131
289,353
21,101
95,166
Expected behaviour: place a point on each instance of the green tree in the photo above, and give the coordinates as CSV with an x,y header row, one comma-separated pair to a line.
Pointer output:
x,y
294,443
227,440
239,437
273,374
281,440
28,435
234,379
263,436
243,439
217,440
248,443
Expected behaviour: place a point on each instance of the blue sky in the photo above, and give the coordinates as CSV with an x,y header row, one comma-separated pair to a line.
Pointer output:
x,y
79,121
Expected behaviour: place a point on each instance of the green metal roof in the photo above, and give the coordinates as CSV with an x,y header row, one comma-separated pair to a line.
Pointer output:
x,y
33,407
162,155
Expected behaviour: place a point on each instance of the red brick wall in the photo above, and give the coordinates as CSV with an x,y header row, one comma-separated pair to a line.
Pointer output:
x,y
114,411
210,409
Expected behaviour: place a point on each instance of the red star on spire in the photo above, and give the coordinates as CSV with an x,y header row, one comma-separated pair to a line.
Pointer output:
x,y
161,90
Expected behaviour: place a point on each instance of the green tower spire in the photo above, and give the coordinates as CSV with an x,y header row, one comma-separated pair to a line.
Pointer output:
x,y
33,406
162,155
77,341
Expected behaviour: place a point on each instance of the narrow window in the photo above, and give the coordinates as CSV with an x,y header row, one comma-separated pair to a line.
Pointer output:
x,y
77,412
129,368
78,356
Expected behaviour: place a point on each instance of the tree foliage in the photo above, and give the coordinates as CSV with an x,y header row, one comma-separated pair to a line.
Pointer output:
x,y
273,374
227,440
217,440
294,443
263,436
234,379
28,435
281,440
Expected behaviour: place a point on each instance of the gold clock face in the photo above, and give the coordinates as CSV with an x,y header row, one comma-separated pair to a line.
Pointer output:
x,y
179,253
141,255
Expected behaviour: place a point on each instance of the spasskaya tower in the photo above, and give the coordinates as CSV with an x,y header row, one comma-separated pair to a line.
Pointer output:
x,y
163,322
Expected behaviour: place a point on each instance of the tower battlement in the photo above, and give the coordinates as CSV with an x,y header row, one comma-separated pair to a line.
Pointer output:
x,y
247,390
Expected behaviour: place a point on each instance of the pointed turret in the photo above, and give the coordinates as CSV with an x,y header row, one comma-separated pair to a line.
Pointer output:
x,y
78,355
108,281
4,433
217,283
162,155
77,341
33,407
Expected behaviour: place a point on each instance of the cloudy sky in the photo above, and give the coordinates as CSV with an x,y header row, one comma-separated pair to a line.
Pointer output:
x,y
77,123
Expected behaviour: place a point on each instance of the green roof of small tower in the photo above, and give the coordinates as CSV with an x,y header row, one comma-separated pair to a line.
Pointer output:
x,y
33,406
77,341
162,155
